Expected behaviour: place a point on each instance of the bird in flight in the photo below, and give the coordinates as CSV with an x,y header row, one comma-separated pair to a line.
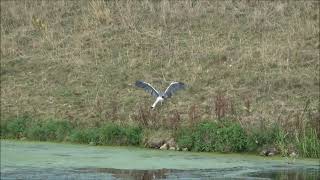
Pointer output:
x,y
161,96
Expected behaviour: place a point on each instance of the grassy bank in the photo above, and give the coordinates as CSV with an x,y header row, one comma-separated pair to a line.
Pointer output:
x,y
252,64
206,136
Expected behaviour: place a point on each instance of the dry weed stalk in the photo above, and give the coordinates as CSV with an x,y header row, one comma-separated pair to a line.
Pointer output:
x,y
174,120
146,117
221,105
194,115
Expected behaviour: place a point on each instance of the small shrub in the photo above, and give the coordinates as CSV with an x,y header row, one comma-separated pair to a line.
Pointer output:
x,y
259,137
213,136
57,130
232,138
220,137
36,132
85,136
113,134
205,136
134,135
255,140
49,130
16,127
184,138
3,129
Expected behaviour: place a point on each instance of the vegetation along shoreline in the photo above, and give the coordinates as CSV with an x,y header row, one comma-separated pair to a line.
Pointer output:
x,y
224,136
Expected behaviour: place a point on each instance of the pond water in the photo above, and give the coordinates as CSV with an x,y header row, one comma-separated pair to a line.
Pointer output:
x,y
43,160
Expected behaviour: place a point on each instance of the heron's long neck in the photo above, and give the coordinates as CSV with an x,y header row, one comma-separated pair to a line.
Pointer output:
x,y
156,102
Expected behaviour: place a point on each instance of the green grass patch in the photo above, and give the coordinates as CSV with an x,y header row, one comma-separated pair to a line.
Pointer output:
x,y
184,137
86,136
113,134
49,130
14,127
63,130
309,144
264,136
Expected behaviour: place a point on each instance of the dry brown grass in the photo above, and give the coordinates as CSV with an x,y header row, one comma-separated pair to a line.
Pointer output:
x,y
79,59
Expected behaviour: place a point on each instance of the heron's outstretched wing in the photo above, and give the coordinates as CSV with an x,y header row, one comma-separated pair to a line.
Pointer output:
x,y
148,88
173,87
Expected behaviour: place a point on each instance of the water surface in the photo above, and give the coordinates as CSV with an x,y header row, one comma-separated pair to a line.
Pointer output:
x,y
42,160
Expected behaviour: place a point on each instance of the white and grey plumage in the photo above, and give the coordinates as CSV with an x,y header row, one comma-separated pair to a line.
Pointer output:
x,y
161,96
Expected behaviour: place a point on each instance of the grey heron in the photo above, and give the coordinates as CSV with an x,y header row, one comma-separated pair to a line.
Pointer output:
x,y
161,96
